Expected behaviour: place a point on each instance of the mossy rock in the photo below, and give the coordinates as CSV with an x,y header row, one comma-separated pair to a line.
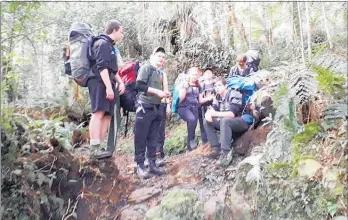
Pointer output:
x,y
176,142
154,213
308,167
331,181
178,204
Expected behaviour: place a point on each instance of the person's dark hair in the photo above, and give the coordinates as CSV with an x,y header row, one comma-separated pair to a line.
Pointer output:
x,y
220,79
208,68
159,49
111,26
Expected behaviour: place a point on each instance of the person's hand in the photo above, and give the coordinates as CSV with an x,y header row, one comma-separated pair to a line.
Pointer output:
x,y
121,88
211,112
161,94
168,94
208,117
110,93
211,96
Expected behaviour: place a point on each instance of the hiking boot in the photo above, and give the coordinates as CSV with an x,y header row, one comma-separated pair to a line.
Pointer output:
x,y
154,169
142,172
146,162
193,144
160,161
225,158
215,153
97,153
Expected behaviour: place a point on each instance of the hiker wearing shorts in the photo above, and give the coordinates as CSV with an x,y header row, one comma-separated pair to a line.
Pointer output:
x,y
102,87
148,114
224,116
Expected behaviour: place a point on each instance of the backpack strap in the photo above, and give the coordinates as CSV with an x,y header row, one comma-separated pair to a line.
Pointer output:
x,y
127,119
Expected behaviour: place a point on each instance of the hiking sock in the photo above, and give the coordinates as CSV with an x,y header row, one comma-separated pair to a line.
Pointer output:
x,y
94,142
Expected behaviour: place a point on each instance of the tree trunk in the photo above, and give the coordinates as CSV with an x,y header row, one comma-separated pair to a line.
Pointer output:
x,y
296,25
214,33
326,27
309,32
300,21
239,25
230,26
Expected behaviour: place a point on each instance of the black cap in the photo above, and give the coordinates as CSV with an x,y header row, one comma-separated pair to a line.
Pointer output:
x,y
159,49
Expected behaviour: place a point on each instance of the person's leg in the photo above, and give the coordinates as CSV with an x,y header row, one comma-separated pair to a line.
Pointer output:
x,y
161,132
151,140
100,107
201,113
211,129
94,127
105,123
188,115
227,127
143,121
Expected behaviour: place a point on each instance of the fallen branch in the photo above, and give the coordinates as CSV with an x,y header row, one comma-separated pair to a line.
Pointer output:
x,y
73,211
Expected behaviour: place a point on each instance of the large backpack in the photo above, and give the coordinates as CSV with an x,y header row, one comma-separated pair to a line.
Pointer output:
x,y
78,53
246,86
128,73
182,77
253,59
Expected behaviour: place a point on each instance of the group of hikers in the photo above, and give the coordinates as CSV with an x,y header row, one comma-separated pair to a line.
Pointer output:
x,y
201,98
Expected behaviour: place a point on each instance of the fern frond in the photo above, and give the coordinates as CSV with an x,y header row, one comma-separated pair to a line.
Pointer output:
x,y
337,110
302,85
278,144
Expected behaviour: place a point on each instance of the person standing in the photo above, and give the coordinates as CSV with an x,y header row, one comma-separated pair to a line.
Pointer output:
x,y
148,115
188,105
102,86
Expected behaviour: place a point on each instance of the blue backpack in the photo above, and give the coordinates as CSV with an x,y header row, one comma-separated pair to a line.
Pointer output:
x,y
175,92
247,87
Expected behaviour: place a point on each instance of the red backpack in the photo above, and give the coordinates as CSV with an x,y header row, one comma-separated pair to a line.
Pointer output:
x,y
128,73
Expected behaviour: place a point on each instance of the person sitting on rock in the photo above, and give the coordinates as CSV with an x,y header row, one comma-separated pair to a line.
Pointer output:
x,y
225,116
241,68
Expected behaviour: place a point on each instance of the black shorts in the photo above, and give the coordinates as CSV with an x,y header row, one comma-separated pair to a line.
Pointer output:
x,y
97,94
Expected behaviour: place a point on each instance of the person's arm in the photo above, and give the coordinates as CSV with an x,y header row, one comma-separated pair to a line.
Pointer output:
x,y
214,111
165,82
166,90
102,51
121,86
227,114
141,83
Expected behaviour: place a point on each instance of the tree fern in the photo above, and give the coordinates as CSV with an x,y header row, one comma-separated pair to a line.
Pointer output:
x,y
335,111
302,84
